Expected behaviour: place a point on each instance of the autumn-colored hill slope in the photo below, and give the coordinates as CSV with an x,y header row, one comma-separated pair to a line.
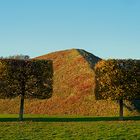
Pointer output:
x,y
73,92
73,72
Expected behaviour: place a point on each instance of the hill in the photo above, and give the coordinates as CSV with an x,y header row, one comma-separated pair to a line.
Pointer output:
x,y
73,72
74,81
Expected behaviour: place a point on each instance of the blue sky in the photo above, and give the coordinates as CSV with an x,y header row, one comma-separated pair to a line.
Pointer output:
x,y
106,28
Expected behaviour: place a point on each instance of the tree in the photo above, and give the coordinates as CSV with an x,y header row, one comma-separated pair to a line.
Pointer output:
x,y
25,78
118,80
18,56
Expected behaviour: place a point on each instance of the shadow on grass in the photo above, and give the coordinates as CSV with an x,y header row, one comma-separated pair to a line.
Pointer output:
x,y
76,119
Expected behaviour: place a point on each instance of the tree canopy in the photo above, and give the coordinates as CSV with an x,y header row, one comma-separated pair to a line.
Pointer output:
x,y
118,79
17,56
35,75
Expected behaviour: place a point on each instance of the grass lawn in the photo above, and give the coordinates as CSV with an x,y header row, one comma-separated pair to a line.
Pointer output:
x,y
43,127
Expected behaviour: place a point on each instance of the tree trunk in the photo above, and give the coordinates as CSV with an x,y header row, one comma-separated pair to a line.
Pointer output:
x,y
121,109
22,94
21,111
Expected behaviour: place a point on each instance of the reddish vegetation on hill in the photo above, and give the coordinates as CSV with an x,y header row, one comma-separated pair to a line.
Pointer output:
x,y
73,74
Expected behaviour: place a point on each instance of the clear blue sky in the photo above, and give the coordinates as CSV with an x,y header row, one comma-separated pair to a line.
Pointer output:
x,y
106,28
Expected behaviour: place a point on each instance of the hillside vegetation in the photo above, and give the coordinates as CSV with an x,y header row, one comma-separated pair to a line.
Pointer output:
x,y
73,92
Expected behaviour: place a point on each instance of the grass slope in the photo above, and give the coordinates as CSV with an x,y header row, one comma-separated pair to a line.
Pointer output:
x,y
73,89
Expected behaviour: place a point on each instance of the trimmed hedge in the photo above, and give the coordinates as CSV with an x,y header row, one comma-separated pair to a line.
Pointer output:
x,y
117,79
35,75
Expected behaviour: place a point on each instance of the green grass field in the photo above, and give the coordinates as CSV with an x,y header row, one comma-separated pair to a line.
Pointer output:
x,y
43,127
